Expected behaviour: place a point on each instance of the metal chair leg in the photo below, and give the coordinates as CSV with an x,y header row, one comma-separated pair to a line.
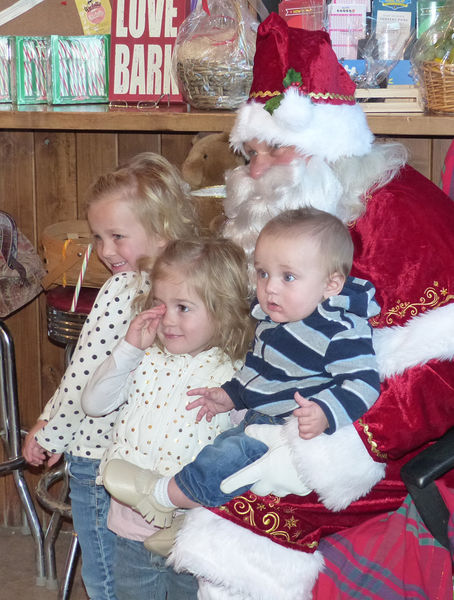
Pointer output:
x,y
59,508
11,437
70,568
34,525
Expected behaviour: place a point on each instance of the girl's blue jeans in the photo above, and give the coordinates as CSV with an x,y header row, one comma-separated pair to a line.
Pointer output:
x,y
232,450
89,506
141,575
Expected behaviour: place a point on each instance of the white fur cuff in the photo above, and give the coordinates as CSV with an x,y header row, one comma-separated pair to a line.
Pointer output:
x,y
236,563
337,467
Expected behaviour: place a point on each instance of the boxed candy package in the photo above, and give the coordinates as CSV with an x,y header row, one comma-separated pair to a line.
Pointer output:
x,y
5,69
30,69
78,69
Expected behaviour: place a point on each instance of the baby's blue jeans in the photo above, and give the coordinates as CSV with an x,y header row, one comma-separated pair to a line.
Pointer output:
x,y
232,450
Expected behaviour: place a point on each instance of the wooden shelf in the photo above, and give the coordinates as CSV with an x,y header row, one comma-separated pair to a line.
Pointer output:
x,y
179,119
101,117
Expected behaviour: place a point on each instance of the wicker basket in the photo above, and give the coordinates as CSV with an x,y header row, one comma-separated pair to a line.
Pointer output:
x,y
209,85
64,245
211,77
439,84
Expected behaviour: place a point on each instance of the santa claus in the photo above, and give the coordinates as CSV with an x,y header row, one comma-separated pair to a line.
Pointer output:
x,y
356,535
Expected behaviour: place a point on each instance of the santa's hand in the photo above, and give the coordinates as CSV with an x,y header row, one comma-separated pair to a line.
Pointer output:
x,y
273,473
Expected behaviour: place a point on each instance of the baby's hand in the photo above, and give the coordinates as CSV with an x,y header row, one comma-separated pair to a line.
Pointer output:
x,y
312,420
142,329
212,400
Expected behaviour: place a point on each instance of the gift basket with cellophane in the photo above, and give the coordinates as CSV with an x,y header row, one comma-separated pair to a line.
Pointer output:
x,y
214,54
433,62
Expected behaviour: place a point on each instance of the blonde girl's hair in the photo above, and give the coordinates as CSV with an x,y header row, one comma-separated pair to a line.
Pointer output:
x,y
216,270
156,192
328,232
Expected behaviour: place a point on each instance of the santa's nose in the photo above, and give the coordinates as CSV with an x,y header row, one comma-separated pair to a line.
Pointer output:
x,y
259,164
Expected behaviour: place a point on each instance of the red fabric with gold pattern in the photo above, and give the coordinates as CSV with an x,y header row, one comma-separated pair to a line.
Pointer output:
x,y
300,522
404,245
280,48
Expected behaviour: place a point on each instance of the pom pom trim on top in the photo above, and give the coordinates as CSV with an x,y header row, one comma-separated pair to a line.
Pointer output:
x,y
328,131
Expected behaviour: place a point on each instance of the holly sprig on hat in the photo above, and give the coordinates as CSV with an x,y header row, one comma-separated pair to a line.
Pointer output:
x,y
292,79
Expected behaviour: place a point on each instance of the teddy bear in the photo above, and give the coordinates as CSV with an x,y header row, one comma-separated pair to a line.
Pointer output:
x,y
208,160
204,169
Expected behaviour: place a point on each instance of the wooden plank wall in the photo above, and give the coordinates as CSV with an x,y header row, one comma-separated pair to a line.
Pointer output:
x,y
43,177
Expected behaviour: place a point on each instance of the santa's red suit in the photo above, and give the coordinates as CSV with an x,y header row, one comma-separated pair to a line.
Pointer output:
x,y
404,244
356,535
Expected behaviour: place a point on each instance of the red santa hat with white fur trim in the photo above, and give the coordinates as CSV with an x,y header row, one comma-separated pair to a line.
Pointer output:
x,y
301,96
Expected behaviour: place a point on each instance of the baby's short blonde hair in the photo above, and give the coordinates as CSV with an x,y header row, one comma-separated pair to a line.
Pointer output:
x,y
328,232
216,269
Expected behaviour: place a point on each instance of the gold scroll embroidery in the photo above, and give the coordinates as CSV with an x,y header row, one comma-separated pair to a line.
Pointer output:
x,y
283,526
433,297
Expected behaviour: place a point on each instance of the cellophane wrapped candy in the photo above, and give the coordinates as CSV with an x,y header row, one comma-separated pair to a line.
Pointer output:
x,y
433,62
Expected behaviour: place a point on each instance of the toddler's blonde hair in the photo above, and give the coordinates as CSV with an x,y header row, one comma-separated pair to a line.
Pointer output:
x,y
156,192
328,232
216,270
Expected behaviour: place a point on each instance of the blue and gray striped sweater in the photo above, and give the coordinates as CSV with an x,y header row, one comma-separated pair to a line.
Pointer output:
x,y
328,357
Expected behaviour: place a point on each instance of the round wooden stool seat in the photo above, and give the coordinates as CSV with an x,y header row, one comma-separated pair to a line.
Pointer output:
x,y
64,326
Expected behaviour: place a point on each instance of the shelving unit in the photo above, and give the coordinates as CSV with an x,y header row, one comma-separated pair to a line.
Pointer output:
x,y
179,119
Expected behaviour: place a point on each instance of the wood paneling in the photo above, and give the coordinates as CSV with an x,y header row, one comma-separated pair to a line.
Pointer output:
x,y
95,154
48,159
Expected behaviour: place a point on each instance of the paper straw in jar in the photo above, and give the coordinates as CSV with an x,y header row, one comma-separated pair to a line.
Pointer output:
x,y
81,277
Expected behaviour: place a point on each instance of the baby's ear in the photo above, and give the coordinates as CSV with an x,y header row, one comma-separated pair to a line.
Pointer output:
x,y
334,285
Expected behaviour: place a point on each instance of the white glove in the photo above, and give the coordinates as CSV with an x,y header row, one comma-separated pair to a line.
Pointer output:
x,y
273,473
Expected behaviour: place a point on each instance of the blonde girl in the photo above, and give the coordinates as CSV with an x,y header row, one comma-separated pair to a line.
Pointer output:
x,y
195,332
133,212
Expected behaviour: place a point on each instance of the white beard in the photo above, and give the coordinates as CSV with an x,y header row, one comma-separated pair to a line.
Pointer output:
x,y
251,203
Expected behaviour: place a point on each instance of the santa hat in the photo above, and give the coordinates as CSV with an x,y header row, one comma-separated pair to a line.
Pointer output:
x,y
301,96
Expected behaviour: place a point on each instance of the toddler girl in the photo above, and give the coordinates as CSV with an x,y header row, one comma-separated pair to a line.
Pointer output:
x,y
133,212
199,317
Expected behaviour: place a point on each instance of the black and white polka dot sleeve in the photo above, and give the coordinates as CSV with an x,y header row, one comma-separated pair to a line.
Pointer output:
x,y
105,325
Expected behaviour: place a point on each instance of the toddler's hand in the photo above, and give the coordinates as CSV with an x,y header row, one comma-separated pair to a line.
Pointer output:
x,y
212,401
33,452
142,329
312,420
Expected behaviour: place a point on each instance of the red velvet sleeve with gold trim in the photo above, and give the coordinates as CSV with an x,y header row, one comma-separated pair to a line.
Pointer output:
x,y
404,245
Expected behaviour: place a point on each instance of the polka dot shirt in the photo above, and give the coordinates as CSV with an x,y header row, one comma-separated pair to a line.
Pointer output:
x,y
69,429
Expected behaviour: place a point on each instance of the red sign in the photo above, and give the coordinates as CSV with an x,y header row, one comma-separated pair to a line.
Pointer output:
x,y
142,40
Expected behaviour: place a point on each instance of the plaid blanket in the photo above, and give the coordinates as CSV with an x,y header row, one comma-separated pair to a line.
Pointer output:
x,y
389,557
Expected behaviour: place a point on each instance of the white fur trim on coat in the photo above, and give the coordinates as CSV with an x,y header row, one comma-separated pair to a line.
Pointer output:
x,y
337,467
325,130
237,563
428,336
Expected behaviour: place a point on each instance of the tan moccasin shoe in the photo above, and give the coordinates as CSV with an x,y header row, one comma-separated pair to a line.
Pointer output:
x,y
134,487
